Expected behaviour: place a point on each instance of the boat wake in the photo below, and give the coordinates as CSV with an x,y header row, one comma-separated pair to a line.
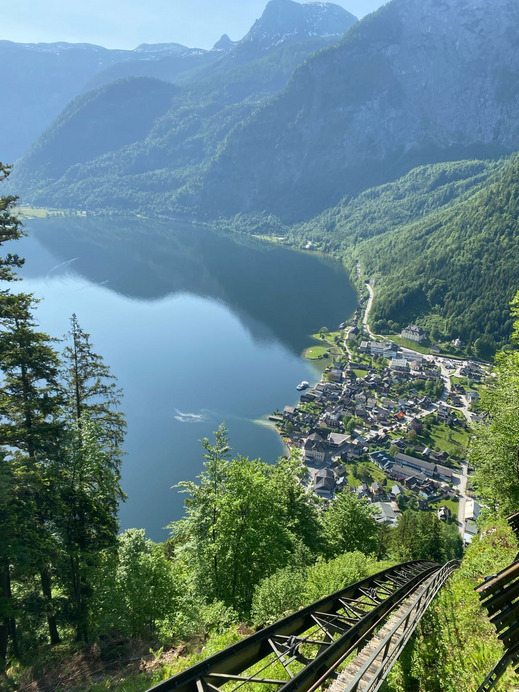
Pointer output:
x,y
190,417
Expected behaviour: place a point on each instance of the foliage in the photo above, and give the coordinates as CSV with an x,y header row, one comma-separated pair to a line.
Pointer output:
x,y
494,449
422,536
244,520
61,482
438,242
349,525
278,595
291,588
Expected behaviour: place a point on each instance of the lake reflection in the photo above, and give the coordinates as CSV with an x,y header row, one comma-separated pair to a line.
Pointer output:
x,y
199,328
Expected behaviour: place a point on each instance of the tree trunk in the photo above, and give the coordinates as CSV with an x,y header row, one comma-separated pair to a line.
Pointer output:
x,y
51,617
8,624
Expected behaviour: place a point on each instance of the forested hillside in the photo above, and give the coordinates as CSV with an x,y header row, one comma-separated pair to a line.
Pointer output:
x,y
440,246
215,94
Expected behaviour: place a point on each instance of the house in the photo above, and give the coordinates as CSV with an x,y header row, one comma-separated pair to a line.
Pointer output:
x,y
352,451
413,333
444,473
324,483
399,365
333,417
395,493
416,425
472,396
406,476
335,375
425,467
362,490
315,448
443,513
381,458
386,514
410,356
337,441
376,489
472,509
288,411
444,414
360,411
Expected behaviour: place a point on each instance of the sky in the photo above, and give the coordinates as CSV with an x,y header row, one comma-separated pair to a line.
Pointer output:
x,y
128,23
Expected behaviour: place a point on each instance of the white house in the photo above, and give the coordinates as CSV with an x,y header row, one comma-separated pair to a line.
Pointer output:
x,y
413,333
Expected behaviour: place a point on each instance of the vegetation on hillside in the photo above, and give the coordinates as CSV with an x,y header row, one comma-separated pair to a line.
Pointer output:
x,y
455,645
439,246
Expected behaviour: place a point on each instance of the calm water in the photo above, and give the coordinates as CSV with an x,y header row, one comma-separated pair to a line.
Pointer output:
x,y
198,327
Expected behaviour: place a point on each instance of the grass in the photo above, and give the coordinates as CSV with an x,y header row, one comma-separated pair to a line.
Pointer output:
x,y
470,385
450,504
31,213
456,645
25,212
326,348
411,345
316,352
441,438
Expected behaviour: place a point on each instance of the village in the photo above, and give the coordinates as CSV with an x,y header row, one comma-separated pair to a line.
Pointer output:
x,y
389,423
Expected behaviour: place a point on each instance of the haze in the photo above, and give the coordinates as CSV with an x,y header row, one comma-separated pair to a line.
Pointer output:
x,y
128,23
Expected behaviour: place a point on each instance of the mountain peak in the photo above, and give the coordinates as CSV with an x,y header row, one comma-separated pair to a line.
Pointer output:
x,y
224,43
286,21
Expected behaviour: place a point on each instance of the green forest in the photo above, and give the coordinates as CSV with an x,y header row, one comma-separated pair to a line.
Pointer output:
x,y
439,246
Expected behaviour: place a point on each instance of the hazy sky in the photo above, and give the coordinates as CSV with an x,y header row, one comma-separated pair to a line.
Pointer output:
x,y
127,23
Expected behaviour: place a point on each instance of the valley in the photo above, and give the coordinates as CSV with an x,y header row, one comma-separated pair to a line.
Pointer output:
x,y
326,199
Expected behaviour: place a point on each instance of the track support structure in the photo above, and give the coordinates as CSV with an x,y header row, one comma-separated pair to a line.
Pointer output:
x,y
300,651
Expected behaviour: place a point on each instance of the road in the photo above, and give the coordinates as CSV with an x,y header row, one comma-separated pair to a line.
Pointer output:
x,y
461,487
367,310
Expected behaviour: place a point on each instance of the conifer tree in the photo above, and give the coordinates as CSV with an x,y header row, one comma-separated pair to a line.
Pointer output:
x,y
92,390
29,431
89,484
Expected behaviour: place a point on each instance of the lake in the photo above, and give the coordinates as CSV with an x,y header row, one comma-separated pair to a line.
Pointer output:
x,y
199,327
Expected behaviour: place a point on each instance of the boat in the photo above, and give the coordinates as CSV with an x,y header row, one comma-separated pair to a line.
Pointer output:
x,y
302,385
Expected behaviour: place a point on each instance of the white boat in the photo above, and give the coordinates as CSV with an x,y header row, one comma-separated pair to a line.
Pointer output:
x,y
302,385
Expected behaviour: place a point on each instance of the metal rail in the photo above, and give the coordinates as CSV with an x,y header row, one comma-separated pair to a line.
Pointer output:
x,y
371,666
293,654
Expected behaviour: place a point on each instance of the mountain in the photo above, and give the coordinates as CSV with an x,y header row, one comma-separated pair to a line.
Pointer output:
x,y
114,116
215,99
39,80
439,245
415,82
285,21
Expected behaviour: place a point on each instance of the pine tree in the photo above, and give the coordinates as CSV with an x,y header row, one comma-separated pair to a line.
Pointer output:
x,y
28,401
10,229
30,436
88,496
92,390
89,485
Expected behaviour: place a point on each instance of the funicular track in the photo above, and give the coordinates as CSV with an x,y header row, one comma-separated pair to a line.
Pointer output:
x,y
303,650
